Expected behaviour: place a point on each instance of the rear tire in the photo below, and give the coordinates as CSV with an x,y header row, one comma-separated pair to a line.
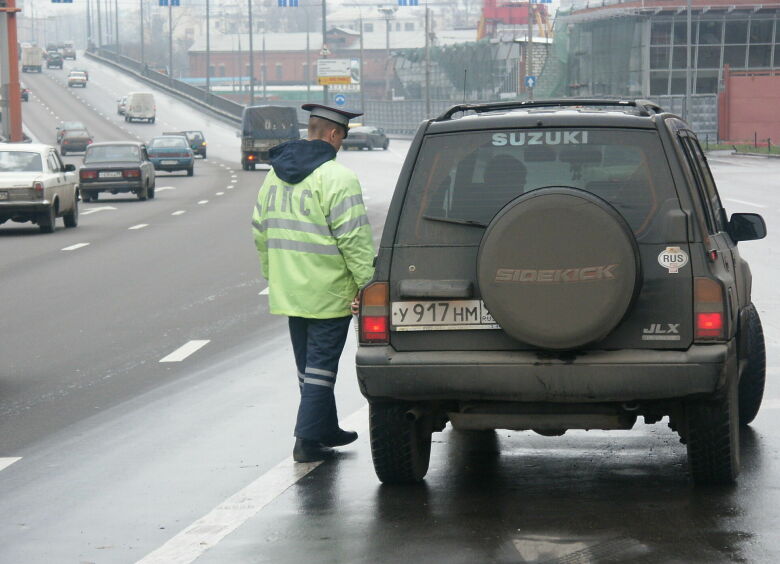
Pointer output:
x,y
47,220
190,171
401,449
63,152
753,377
150,192
386,144
713,438
71,219
144,194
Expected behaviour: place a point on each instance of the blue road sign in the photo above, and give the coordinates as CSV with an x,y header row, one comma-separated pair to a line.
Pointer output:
x,y
530,81
408,2
57,2
173,2
340,99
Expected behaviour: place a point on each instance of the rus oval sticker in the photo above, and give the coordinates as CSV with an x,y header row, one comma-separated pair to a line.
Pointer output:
x,y
673,259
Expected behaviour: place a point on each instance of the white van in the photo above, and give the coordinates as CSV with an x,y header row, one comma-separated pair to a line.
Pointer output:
x,y
140,106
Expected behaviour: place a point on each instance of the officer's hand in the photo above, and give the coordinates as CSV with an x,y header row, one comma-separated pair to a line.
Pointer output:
x,y
355,306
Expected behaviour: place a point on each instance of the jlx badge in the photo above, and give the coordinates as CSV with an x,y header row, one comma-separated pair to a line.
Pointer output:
x,y
673,259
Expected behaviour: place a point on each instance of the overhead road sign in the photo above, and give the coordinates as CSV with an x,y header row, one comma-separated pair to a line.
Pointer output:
x,y
334,71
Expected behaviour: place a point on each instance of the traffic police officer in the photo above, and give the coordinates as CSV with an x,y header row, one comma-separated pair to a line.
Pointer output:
x,y
316,250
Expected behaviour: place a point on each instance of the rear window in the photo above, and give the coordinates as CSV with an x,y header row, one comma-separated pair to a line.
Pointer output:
x,y
111,153
168,143
462,180
20,161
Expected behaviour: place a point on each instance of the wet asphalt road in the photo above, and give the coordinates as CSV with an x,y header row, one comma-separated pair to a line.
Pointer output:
x,y
118,453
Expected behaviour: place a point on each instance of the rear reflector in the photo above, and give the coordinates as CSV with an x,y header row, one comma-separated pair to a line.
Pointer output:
x,y
374,314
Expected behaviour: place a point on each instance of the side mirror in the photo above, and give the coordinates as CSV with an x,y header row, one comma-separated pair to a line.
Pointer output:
x,y
69,168
746,227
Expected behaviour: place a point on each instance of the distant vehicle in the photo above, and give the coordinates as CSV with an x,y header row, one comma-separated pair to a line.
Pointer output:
x,y
75,140
77,78
171,153
116,166
36,186
141,107
121,105
54,60
66,126
24,92
366,137
262,128
68,50
196,140
32,59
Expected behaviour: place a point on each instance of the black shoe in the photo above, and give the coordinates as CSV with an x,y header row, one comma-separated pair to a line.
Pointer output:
x,y
339,438
309,451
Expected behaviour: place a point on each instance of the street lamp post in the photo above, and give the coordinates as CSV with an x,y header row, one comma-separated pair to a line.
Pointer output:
x,y
427,61
324,52
141,25
687,108
170,39
251,58
388,13
208,50
116,27
529,56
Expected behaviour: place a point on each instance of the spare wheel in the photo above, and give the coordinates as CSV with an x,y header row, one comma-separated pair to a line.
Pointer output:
x,y
558,268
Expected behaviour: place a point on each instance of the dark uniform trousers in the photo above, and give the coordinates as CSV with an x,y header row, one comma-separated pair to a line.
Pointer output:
x,y
317,344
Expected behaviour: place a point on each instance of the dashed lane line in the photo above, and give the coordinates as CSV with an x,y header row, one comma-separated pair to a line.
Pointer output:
x,y
220,193
139,226
203,202
179,212
185,350
205,533
94,210
76,246
745,203
164,188
6,462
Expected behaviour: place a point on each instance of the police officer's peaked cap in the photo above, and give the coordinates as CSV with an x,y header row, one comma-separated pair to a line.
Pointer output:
x,y
335,115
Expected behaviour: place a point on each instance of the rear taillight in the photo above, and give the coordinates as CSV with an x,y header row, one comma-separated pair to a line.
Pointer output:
x,y
132,173
251,157
709,310
86,174
375,314
38,188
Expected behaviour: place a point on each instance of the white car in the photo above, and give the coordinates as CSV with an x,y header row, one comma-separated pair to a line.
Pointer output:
x,y
77,78
36,186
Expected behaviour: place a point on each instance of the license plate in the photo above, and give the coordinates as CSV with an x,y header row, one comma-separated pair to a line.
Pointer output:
x,y
3,195
441,316
169,162
115,174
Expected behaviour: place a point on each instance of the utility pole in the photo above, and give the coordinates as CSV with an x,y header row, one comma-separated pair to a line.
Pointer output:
x,y
251,58
324,52
99,26
362,76
686,106
388,13
264,70
141,26
9,67
116,27
208,50
427,61
89,25
170,39
529,52
308,60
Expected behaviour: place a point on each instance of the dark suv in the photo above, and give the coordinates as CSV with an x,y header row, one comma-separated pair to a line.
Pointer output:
x,y
555,265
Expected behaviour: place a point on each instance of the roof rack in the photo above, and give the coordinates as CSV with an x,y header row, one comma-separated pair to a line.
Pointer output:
x,y
646,107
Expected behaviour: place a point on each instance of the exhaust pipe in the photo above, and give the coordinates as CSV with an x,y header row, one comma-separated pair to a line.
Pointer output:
x,y
414,414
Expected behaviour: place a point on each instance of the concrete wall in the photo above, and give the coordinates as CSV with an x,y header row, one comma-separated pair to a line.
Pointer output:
x,y
749,106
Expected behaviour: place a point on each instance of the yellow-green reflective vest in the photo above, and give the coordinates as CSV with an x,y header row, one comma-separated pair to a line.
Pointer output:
x,y
315,244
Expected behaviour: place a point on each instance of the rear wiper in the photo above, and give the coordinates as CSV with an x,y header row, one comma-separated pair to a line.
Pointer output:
x,y
471,222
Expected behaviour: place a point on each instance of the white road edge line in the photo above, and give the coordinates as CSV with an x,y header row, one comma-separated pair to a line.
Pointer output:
x,y
205,533
263,292
139,226
6,462
185,350
745,203
76,246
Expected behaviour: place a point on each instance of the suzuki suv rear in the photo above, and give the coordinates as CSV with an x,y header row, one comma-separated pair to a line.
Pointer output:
x,y
559,265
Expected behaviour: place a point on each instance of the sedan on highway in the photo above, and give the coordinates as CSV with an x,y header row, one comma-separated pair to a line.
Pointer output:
x,y
171,153
75,140
366,137
121,105
66,126
36,186
116,166
76,78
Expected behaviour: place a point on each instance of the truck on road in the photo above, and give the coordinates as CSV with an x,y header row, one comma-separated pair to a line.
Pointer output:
x,y
262,128
32,59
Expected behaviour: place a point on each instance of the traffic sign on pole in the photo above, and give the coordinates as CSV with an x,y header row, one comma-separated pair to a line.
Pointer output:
x,y
530,81
340,99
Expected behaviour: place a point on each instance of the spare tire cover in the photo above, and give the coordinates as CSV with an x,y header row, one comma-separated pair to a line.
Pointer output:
x,y
558,268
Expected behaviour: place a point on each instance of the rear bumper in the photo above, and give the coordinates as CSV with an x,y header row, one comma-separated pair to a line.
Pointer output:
x,y
597,376
123,186
24,207
181,165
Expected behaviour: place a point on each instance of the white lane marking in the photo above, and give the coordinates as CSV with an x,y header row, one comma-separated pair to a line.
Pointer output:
x,y
263,292
179,212
164,188
203,202
744,203
205,533
6,462
233,181
76,246
220,193
185,350
230,187
232,176
139,226
93,210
